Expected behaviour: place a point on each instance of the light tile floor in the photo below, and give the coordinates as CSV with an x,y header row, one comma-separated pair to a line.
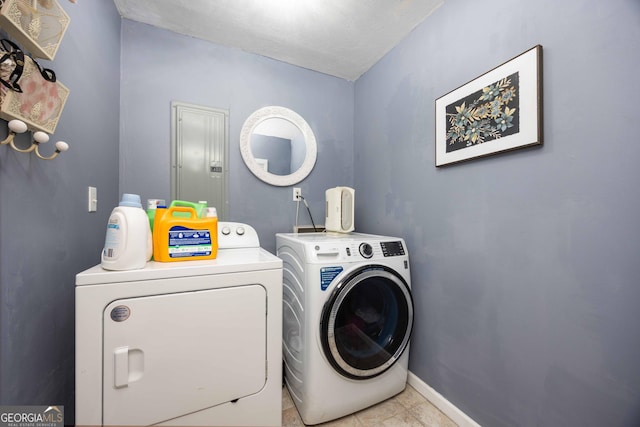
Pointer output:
x,y
407,409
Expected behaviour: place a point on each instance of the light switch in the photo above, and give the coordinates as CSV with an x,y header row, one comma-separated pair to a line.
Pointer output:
x,y
92,199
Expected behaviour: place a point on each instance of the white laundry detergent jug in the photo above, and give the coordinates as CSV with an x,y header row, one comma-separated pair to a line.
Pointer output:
x,y
126,242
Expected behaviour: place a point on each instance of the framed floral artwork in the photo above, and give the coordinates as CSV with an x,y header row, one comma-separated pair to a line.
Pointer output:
x,y
498,111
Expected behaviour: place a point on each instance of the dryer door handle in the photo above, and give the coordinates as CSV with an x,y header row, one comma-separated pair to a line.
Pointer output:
x,y
121,367
128,366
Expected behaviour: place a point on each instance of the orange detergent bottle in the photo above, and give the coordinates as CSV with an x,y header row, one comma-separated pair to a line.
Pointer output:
x,y
177,237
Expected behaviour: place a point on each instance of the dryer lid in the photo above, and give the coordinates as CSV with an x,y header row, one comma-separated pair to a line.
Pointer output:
x,y
227,261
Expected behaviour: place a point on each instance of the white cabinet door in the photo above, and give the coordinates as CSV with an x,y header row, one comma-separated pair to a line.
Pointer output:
x,y
169,355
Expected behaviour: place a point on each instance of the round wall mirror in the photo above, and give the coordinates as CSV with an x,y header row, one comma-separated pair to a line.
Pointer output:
x,y
278,146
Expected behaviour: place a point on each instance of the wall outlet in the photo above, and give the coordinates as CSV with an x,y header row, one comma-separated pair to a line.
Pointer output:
x,y
297,194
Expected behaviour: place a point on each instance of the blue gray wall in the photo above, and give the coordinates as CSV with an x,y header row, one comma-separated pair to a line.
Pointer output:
x,y
159,66
47,235
524,265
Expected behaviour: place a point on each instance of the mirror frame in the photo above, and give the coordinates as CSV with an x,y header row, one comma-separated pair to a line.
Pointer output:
x,y
258,117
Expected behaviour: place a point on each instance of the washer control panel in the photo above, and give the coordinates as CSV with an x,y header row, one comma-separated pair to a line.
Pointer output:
x,y
366,250
392,248
381,249
237,235
359,250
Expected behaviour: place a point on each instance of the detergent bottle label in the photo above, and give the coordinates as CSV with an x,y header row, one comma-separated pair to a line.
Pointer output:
x,y
187,242
112,240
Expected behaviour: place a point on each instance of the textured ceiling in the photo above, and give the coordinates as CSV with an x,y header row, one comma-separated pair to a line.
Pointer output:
x,y
343,38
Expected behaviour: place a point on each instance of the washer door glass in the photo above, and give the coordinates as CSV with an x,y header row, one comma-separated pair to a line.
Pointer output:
x,y
367,322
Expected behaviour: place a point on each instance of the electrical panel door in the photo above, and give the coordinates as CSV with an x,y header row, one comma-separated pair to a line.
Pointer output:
x,y
200,153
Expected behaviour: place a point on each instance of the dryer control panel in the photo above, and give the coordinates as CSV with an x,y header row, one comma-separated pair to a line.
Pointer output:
x,y
233,235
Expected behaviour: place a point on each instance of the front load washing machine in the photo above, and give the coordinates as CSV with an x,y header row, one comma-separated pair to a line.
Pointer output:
x,y
347,320
190,343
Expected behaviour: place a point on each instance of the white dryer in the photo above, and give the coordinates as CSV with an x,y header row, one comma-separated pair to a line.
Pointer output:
x,y
192,343
347,316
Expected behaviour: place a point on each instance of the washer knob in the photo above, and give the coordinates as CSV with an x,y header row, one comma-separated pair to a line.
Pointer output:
x,y
240,231
366,250
226,231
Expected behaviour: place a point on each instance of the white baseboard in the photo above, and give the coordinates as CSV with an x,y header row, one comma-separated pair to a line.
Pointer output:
x,y
448,408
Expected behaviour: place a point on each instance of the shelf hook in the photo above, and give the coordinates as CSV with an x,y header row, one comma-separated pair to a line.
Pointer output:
x,y
39,137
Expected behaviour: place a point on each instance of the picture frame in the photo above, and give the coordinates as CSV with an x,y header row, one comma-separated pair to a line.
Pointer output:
x,y
499,111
